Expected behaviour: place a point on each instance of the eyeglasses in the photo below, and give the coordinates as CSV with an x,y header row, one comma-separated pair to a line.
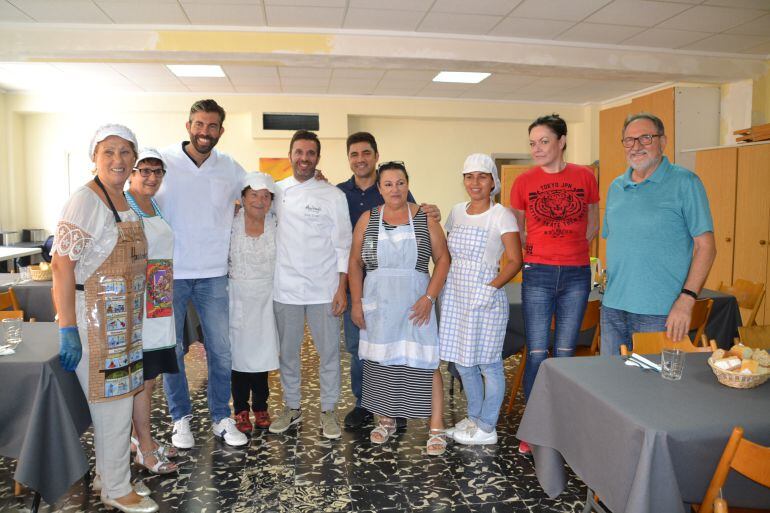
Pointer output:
x,y
644,140
393,164
147,171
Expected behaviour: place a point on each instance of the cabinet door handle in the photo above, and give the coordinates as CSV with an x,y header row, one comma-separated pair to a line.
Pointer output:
x,y
728,239
762,242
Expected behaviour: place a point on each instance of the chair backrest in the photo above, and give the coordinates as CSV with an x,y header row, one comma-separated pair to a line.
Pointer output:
x,y
655,342
700,316
8,300
749,296
757,337
11,314
745,457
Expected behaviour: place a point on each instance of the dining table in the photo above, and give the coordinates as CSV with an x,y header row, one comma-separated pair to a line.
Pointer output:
x,y
44,414
13,253
722,325
642,443
34,296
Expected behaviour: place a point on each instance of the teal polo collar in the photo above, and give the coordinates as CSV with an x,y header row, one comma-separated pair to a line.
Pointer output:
x,y
657,176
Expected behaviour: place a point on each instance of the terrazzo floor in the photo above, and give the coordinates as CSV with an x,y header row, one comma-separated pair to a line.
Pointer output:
x,y
300,471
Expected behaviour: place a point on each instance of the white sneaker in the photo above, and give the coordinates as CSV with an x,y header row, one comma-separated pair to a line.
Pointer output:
x,y
182,437
460,426
473,435
226,430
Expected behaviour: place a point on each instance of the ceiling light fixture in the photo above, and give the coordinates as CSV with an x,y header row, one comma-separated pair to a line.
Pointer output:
x,y
460,77
196,70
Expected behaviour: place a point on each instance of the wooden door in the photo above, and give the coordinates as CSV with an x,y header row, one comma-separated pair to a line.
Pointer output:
x,y
718,170
612,156
752,217
508,176
662,104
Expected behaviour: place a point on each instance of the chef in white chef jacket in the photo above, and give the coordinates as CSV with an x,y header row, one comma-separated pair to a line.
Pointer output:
x,y
253,335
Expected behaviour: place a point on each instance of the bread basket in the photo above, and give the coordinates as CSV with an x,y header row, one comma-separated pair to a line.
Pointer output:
x,y
734,379
38,274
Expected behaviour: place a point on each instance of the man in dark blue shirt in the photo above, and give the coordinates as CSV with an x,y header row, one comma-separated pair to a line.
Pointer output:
x,y
362,195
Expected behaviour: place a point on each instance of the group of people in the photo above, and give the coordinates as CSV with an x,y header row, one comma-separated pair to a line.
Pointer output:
x,y
127,264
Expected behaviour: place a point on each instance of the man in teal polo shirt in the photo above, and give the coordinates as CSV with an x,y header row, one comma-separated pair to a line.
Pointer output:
x,y
660,240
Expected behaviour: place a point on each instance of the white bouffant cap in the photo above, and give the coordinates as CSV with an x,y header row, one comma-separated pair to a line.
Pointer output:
x,y
259,181
483,163
105,131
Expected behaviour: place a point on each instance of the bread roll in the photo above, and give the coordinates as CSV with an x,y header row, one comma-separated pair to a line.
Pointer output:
x,y
729,363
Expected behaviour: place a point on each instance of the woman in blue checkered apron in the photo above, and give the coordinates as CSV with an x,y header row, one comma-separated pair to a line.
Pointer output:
x,y
474,308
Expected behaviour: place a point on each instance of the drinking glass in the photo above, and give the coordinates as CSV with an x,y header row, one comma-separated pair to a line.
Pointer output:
x,y
11,334
672,364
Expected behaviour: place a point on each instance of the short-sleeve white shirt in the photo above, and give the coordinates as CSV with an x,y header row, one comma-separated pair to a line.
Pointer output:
x,y
198,203
499,219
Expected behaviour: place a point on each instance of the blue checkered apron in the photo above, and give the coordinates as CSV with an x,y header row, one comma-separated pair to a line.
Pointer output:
x,y
473,314
390,291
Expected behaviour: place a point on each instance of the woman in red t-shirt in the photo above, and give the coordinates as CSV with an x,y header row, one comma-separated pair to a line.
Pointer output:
x,y
556,207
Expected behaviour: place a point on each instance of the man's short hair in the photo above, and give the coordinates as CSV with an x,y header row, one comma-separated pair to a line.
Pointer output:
x,y
208,106
305,135
360,137
644,115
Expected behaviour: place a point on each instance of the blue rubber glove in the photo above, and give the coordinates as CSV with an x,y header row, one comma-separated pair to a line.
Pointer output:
x,y
70,348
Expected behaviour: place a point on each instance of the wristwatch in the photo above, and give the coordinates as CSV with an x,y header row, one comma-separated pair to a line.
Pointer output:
x,y
431,299
690,293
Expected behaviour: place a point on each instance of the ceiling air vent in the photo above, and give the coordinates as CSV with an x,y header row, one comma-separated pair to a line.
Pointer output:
x,y
290,121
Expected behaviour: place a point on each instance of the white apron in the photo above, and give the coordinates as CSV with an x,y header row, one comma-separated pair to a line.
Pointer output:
x,y
390,291
253,334
474,315
159,331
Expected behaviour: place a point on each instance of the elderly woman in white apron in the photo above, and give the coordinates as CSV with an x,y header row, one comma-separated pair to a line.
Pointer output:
x,y
158,330
253,334
394,308
99,263
474,308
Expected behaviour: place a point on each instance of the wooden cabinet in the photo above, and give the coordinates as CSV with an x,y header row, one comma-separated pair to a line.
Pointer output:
x,y
718,169
737,182
689,114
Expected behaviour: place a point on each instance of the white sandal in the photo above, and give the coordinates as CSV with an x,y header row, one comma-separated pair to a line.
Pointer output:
x,y
383,431
167,451
162,464
436,445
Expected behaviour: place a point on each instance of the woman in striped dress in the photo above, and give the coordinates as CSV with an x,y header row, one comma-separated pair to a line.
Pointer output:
x,y
394,308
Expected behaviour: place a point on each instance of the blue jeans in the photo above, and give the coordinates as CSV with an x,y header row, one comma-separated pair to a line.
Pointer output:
x,y
484,396
351,344
210,299
547,290
618,326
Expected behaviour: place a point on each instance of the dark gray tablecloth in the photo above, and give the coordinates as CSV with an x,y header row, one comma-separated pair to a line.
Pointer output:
x,y
642,443
722,326
43,414
34,297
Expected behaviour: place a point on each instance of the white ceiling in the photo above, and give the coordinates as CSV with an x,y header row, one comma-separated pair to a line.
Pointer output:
x,y
695,29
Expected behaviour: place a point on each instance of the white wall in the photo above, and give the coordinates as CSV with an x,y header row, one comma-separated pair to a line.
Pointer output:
x,y
51,135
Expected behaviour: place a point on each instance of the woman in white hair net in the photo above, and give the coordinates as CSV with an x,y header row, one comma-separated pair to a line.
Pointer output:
x,y
253,333
99,260
474,307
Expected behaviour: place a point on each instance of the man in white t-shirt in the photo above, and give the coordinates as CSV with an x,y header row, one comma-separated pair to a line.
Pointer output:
x,y
312,249
197,198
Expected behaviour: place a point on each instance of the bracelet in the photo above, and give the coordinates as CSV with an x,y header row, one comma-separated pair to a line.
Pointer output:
x,y
690,293
431,299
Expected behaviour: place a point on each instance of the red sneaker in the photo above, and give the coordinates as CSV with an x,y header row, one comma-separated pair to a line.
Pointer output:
x,y
524,448
242,421
262,419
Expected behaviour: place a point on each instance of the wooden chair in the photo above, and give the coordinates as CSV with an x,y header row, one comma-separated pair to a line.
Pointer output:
x,y
749,296
11,314
745,457
655,342
757,337
8,300
700,316
590,320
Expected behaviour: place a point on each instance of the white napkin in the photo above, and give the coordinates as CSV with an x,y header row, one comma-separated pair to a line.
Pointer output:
x,y
645,361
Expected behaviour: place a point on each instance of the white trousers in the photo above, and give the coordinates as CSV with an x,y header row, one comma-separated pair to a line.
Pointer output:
x,y
112,434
